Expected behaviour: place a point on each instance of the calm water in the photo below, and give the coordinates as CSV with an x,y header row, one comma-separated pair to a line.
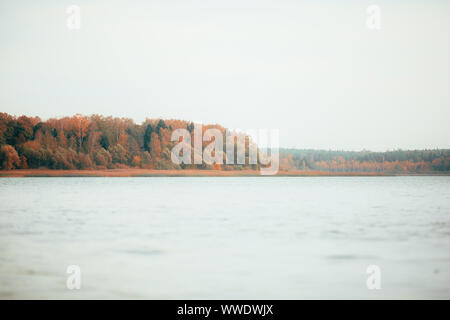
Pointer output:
x,y
208,238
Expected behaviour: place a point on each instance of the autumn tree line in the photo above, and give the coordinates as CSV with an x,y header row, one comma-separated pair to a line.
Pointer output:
x,y
94,142
98,142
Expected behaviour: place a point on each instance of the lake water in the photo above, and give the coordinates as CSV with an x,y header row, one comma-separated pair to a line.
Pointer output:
x,y
214,238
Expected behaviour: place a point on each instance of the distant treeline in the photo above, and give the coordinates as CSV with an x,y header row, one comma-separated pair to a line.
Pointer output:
x,y
98,142
398,161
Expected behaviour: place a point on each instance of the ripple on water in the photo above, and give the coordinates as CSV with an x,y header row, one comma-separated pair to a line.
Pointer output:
x,y
344,257
144,252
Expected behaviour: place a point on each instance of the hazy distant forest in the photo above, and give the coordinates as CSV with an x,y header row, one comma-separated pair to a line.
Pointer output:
x,y
98,142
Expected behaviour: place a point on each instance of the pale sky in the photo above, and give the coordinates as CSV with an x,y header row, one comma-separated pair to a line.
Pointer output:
x,y
312,69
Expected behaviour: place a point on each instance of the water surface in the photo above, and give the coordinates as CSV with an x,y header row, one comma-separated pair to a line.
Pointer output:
x,y
214,238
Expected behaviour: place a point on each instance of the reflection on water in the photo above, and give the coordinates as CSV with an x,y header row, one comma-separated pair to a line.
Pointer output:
x,y
209,238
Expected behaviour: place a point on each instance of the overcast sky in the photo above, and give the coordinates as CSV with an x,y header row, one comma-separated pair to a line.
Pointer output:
x,y
312,69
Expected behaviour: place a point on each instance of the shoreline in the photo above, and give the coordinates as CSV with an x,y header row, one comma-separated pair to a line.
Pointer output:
x,y
24,173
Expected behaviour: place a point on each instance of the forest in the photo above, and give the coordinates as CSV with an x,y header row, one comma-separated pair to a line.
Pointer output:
x,y
96,142
397,161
